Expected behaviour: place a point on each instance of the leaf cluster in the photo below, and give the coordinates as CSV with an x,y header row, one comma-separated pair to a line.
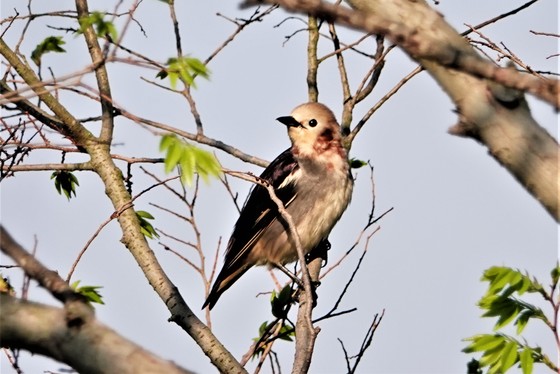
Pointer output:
x,y
500,351
49,44
65,182
91,293
280,303
145,226
102,27
184,68
189,158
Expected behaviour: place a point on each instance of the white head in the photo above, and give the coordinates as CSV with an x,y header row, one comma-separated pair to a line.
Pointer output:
x,y
313,129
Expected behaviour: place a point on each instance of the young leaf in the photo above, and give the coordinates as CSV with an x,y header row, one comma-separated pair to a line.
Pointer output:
x,y
499,351
287,333
49,44
90,292
509,356
189,158
280,302
102,28
483,342
526,360
65,182
145,226
555,274
356,163
183,68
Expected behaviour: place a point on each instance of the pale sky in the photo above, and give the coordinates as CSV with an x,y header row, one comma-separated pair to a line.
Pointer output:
x,y
456,211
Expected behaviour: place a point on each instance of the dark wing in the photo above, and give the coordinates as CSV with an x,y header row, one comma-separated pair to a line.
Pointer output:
x,y
257,214
260,211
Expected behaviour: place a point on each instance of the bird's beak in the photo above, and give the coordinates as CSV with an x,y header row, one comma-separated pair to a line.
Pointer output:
x,y
289,121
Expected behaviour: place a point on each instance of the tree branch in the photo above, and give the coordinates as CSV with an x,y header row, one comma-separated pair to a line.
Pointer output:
x,y
89,347
70,125
392,19
492,110
33,268
98,59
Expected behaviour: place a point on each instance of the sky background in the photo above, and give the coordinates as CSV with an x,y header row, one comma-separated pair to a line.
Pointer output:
x,y
456,211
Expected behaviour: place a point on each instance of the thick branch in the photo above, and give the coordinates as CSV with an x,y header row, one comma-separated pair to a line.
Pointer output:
x,y
493,110
423,34
136,243
34,269
89,347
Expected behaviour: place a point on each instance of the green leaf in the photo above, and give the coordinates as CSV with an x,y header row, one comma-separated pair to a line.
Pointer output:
x,y
188,165
483,342
206,164
280,303
65,183
184,68
90,292
174,155
555,274
189,158
262,329
356,163
146,227
498,277
491,356
526,360
144,214
102,28
509,356
49,44
499,351
287,333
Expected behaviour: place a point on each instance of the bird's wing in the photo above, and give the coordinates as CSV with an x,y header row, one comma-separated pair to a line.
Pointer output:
x,y
260,211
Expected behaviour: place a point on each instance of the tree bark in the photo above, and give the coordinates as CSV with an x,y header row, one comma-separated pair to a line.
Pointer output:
x,y
488,98
87,346
495,116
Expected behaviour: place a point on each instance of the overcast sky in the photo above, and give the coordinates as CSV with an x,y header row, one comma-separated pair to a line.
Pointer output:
x,y
456,211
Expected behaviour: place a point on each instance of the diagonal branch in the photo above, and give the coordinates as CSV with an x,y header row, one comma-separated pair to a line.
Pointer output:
x,y
98,58
46,330
387,18
33,268
489,99
71,127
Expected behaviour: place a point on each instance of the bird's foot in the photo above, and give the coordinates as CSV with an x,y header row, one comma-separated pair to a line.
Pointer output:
x,y
320,251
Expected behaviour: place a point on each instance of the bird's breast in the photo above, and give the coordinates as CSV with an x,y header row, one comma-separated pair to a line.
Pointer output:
x,y
323,192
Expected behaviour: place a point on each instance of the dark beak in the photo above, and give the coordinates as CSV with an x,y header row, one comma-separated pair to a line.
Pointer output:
x,y
289,121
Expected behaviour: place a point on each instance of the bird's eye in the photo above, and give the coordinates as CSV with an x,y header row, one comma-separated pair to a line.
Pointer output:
x,y
312,122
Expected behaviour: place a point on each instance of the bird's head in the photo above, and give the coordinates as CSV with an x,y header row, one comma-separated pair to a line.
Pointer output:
x,y
312,128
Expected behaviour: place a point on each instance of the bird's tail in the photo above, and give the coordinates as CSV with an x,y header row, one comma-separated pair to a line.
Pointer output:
x,y
225,280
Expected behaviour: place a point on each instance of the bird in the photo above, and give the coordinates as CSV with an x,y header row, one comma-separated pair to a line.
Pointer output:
x,y
313,180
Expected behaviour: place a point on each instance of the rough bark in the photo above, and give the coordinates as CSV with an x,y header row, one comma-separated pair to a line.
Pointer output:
x,y
489,99
83,343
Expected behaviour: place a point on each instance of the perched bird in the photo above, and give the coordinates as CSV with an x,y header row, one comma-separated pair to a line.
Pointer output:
x,y
312,179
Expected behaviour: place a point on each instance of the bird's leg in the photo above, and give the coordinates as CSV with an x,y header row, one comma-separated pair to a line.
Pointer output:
x,y
291,275
320,251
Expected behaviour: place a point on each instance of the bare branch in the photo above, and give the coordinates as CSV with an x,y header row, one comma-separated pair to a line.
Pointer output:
x,y
47,278
454,54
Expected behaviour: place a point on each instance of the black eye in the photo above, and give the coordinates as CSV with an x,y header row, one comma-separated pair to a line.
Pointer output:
x,y
312,122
